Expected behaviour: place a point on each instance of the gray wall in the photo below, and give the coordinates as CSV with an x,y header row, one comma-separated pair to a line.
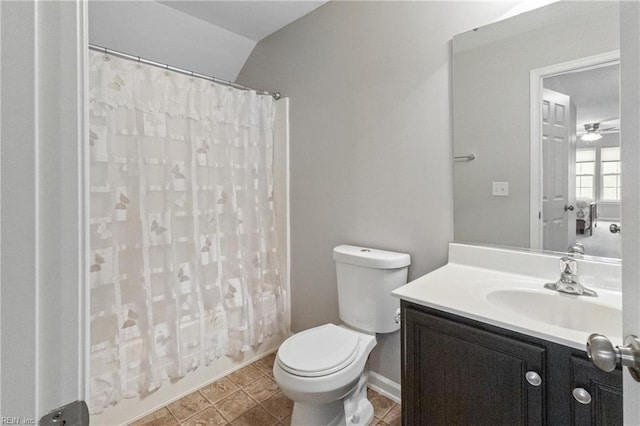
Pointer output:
x,y
491,109
160,33
370,139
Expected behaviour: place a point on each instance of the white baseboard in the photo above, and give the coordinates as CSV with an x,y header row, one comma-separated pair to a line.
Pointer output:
x,y
384,386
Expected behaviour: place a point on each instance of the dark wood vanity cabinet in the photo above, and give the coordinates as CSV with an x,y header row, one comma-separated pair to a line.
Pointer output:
x,y
460,375
605,390
456,371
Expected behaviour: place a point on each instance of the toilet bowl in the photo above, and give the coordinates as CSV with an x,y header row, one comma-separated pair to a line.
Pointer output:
x,y
323,369
322,364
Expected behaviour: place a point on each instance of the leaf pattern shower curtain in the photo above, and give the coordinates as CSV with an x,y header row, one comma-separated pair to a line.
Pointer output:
x,y
183,262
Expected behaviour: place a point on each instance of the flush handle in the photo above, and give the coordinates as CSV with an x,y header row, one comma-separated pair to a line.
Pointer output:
x,y
582,396
606,357
533,378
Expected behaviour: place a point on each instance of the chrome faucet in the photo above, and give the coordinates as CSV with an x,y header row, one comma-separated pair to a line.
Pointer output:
x,y
569,282
575,248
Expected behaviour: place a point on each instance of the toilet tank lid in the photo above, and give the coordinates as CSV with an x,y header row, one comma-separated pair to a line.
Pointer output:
x,y
370,257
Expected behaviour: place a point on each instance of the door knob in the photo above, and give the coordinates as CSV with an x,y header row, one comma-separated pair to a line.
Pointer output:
x,y
605,356
568,207
613,228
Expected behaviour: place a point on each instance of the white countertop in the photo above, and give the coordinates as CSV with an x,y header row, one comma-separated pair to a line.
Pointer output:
x,y
463,290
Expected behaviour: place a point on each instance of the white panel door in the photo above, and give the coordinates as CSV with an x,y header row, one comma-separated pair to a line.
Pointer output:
x,y
556,131
42,316
630,135
571,175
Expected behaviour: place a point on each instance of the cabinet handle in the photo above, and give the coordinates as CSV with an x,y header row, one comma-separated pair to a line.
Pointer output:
x,y
582,396
533,378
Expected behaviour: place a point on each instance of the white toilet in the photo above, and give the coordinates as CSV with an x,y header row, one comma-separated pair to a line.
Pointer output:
x,y
323,369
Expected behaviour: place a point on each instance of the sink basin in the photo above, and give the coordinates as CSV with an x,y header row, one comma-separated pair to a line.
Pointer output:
x,y
580,313
505,288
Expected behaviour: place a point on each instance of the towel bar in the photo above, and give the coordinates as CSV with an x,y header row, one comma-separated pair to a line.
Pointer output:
x,y
464,157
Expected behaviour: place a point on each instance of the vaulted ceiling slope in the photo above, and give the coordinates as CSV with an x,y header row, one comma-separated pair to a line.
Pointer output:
x,y
209,37
252,19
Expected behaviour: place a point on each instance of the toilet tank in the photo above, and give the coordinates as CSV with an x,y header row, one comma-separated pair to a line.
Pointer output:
x,y
366,277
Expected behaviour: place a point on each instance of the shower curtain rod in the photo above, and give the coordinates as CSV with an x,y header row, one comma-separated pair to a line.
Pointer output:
x,y
275,95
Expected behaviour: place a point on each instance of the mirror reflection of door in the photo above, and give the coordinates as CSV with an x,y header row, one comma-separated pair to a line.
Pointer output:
x,y
558,148
592,161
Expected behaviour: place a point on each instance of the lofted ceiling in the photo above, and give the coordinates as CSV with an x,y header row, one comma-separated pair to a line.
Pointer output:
x,y
254,20
209,37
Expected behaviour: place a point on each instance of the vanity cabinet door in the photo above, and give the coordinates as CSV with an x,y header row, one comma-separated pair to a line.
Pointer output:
x,y
455,374
604,391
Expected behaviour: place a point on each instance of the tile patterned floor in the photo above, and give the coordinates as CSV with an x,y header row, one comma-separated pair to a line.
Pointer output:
x,y
248,397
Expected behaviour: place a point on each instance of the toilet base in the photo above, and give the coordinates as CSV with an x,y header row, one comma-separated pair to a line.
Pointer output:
x,y
329,414
355,409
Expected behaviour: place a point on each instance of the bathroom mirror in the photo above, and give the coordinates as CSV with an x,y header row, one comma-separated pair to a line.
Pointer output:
x,y
536,130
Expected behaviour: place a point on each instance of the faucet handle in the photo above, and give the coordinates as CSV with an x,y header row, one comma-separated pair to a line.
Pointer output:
x,y
575,248
568,262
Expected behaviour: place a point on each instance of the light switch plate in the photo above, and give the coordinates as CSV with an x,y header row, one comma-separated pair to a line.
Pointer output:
x,y
500,189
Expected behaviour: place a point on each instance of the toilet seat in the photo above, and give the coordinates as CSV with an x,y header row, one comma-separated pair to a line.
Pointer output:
x,y
319,351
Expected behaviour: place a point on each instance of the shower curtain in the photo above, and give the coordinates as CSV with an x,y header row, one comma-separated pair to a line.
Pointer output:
x,y
183,261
